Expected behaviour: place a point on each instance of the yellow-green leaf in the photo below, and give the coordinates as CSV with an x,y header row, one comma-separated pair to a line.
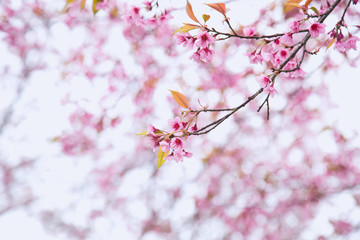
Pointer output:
x,y
94,9
330,44
160,158
187,27
206,17
315,10
220,7
142,133
70,1
190,12
82,4
180,99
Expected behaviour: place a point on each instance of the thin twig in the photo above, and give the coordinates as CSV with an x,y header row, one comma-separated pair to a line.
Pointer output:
x,y
206,129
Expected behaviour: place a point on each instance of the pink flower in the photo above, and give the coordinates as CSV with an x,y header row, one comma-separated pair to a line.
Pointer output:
x,y
355,2
295,26
176,144
204,39
204,54
254,57
249,31
282,54
147,4
287,39
164,16
194,128
154,142
270,90
341,227
186,39
151,21
263,80
187,154
152,130
175,124
276,44
196,56
350,43
76,144
165,145
317,28
169,157
179,155
102,5
341,46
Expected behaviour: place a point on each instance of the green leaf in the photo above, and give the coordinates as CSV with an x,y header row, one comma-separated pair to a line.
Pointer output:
x,y
205,17
315,10
160,158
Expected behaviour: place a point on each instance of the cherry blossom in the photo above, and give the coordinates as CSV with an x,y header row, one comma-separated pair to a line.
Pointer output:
x,y
249,31
287,39
270,90
262,167
263,80
316,29
186,39
204,39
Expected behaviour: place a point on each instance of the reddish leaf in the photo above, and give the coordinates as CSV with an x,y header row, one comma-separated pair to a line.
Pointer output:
x,y
290,4
307,2
180,99
220,7
190,12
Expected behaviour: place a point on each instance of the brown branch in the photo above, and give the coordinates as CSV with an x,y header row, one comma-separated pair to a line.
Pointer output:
x,y
206,129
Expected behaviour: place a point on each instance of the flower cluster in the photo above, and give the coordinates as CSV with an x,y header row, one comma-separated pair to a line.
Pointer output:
x,y
172,143
202,41
265,83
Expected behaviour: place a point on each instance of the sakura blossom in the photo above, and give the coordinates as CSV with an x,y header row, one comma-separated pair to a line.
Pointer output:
x,y
316,29
259,140
186,39
287,40
270,90
204,39
249,31
254,57
295,26
263,80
